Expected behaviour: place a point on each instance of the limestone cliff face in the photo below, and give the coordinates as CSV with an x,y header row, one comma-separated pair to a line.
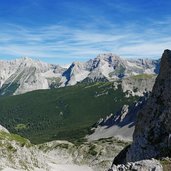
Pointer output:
x,y
152,133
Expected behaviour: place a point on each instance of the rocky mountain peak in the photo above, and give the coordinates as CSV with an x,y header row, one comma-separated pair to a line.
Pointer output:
x,y
77,64
165,63
152,135
25,60
109,58
25,72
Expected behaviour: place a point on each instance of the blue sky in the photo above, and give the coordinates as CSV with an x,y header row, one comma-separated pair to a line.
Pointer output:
x,y
62,31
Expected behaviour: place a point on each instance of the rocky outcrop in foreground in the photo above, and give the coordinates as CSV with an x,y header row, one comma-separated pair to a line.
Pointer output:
x,y
143,165
18,154
152,135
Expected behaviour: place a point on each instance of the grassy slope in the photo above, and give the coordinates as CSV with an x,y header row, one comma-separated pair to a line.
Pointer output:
x,y
144,76
64,113
13,137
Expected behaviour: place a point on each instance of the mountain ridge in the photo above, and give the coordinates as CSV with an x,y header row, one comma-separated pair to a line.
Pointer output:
x,y
25,74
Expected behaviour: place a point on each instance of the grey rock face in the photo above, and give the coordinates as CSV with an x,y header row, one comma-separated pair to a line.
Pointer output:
x,y
25,74
144,165
138,85
108,67
3,129
151,137
19,154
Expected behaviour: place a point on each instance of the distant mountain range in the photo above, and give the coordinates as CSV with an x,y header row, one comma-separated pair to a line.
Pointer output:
x,y
25,74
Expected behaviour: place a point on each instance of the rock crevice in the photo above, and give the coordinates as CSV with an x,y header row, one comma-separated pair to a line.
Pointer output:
x,y
152,133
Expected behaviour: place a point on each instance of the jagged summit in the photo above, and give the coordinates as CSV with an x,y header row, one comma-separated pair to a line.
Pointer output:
x,y
27,74
26,58
165,62
152,136
108,56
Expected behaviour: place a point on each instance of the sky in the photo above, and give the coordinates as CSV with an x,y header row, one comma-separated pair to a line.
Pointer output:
x,y
62,31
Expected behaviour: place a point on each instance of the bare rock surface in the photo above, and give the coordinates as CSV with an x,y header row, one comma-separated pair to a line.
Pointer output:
x,y
143,165
152,133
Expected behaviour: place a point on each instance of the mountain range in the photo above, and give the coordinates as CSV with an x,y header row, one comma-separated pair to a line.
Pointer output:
x,y
25,74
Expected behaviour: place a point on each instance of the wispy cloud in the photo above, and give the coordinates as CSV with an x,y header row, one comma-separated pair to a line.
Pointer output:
x,y
58,41
78,30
